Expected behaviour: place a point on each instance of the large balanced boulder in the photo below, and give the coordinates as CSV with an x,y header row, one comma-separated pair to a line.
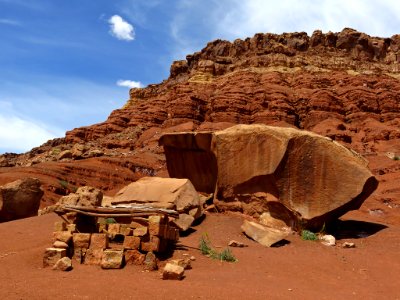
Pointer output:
x,y
297,176
20,199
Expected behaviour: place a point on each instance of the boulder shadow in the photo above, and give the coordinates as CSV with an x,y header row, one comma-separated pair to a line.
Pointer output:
x,y
353,229
281,243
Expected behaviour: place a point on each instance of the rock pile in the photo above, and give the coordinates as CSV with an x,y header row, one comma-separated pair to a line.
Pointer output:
x,y
111,242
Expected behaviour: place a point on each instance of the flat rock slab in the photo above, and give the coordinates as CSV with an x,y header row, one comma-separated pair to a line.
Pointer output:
x,y
168,193
266,236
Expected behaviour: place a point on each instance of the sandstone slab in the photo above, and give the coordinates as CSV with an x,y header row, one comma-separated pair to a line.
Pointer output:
x,y
134,257
93,256
266,236
112,259
168,193
52,255
98,241
62,236
81,240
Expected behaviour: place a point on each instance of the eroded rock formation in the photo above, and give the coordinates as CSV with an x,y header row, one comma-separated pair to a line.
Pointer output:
x,y
342,85
298,176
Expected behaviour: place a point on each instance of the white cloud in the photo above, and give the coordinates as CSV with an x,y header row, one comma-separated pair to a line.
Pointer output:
x,y
121,29
20,135
130,83
245,18
197,22
43,107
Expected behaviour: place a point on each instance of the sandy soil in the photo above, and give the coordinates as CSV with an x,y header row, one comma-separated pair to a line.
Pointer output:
x,y
296,270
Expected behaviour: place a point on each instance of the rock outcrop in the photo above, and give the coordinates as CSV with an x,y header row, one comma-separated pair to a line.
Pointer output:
x,y
20,199
298,176
342,85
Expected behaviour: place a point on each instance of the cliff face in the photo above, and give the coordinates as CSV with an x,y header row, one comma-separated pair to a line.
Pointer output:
x,y
347,81
343,85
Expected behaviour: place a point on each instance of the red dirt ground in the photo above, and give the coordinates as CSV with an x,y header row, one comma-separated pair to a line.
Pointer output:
x,y
297,270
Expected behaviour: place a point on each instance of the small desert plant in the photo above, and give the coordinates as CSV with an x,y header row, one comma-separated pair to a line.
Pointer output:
x,y
204,245
64,184
67,186
307,235
396,158
227,255
207,250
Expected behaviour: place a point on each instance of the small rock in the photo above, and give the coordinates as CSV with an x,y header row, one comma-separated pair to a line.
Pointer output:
x,y
328,240
63,264
112,259
173,272
348,245
234,243
182,262
264,235
184,222
192,258
52,255
60,244
150,262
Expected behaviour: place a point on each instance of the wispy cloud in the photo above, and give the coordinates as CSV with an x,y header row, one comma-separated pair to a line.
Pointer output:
x,y
10,22
130,83
121,29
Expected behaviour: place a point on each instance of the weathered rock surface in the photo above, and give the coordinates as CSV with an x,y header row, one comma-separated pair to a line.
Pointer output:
x,y
84,196
112,259
173,272
63,264
266,236
20,199
298,176
52,256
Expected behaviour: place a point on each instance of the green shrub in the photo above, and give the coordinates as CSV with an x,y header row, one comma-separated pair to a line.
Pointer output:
x,y
207,250
307,235
227,255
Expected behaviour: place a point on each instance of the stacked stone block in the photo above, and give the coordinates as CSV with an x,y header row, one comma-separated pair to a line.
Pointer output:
x,y
114,243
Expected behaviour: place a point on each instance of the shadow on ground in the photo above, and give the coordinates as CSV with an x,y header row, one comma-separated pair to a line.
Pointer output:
x,y
353,229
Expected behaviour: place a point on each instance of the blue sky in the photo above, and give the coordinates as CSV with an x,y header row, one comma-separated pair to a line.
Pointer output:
x,y
69,63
